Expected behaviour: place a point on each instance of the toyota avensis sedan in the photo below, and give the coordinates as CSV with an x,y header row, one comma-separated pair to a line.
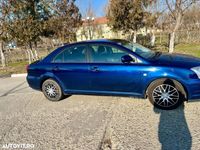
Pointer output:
x,y
117,67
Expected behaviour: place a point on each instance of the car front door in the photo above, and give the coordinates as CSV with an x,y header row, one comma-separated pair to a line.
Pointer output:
x,y
109,74
71,68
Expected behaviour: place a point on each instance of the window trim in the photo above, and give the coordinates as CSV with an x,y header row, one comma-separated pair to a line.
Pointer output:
x,y
137,61
68,47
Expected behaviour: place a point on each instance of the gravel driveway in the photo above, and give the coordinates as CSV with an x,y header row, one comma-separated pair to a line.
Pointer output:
x,y
93,122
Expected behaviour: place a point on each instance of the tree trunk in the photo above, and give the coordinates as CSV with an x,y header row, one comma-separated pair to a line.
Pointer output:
x,y
188,36
36,54
3,60
160,37
31,52
29,56
51,43
35,51
172,34
134,37
153,38
171,42
90,33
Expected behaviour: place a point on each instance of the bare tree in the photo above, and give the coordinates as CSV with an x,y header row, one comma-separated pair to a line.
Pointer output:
x,y
88,29
3,30
190,27
3,61
151,17
177,10
1,45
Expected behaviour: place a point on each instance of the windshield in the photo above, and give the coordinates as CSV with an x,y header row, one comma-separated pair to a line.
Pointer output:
x,y
137,48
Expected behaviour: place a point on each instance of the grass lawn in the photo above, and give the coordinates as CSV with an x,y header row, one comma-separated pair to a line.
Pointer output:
x,y
191,49
18,67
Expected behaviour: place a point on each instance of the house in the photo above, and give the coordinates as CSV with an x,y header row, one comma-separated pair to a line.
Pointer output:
x,y
96,28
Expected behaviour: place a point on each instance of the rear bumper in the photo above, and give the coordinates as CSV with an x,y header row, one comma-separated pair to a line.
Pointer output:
x,y
193,90
34,82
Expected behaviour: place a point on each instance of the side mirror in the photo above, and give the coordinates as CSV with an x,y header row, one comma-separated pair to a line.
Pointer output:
x,y
127,59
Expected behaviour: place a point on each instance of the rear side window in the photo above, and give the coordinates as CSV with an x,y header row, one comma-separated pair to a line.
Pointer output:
x,y
75,54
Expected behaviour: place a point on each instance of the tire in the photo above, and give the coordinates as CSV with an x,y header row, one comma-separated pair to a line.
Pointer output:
x,y
52,90
166,94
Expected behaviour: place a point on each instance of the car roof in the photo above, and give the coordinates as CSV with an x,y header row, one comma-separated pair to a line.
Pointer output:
x,y
98,41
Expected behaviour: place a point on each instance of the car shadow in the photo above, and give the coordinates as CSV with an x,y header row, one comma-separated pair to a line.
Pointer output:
x,y
173,131
66,96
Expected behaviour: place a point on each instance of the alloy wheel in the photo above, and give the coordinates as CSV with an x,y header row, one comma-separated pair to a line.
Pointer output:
x,y
51,90
165,95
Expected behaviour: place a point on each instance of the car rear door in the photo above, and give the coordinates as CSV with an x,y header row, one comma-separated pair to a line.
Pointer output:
x,y
109,74
71,68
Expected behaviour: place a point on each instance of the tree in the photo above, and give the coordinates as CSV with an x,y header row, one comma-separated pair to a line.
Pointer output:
x,y
4,36
177,10
27,21
3,62
2,33
190,26
127,15
64,20
24,23
89,27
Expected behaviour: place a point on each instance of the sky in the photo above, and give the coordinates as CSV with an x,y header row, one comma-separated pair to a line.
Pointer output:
x,y
98,6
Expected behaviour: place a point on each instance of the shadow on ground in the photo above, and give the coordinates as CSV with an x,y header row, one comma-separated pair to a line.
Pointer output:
x,y
173,131
13,89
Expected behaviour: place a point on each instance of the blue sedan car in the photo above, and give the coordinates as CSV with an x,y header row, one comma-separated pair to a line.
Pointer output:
x,y
117,67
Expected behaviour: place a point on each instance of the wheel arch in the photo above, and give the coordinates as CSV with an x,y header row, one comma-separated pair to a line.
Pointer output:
x,y
50,76
180,84
42,81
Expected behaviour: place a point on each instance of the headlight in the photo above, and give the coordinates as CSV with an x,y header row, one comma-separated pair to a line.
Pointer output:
x,y
197,71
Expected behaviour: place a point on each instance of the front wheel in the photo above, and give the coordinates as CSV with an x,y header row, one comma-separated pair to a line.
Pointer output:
x,y
52,90
166,94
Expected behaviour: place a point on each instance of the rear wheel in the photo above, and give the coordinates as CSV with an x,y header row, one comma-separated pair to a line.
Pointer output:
x,y
166,94
52,90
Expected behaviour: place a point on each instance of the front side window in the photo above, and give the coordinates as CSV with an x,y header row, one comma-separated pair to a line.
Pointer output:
x,y
75,54
106,54
137,48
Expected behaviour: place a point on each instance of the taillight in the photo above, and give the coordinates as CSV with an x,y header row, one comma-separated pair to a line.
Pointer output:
x,y
27,67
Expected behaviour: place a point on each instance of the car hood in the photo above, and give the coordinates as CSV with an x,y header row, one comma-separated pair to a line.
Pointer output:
x,y
179,60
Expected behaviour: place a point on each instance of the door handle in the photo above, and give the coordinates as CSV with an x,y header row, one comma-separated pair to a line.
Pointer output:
x,y
56,68
95,69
